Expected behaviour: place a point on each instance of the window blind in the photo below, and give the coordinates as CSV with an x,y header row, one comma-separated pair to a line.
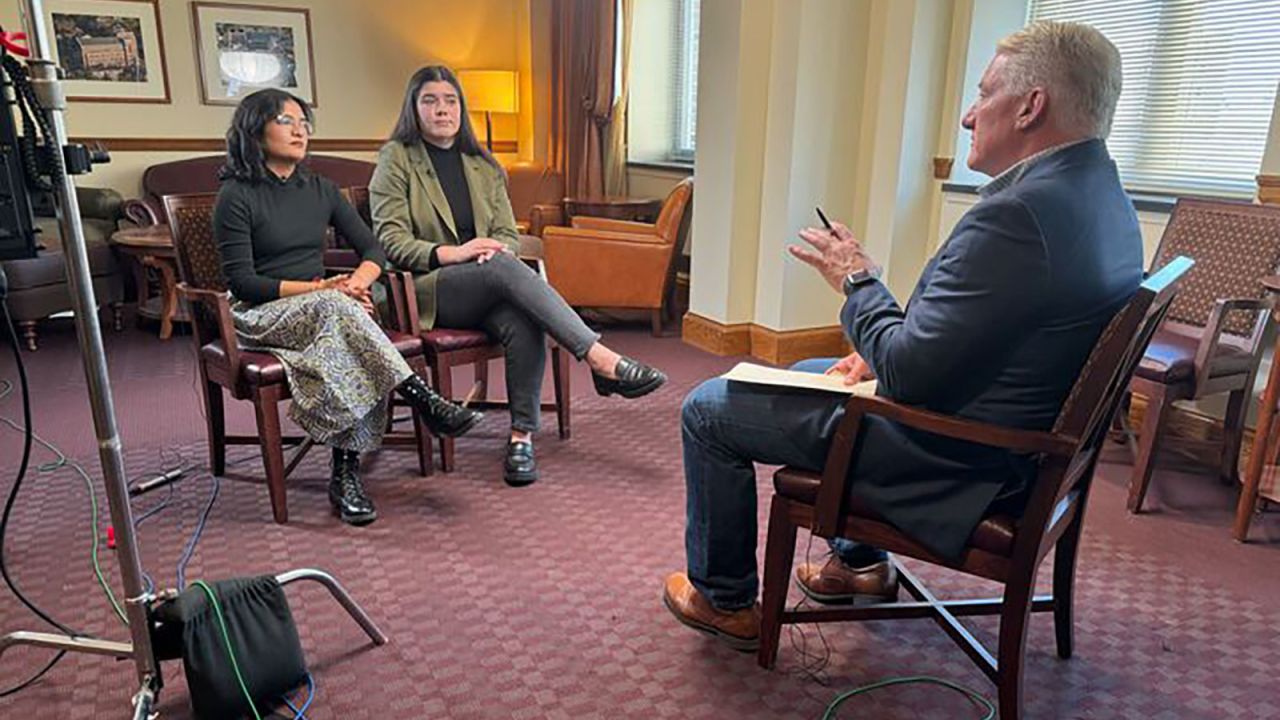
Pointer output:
x,y
685,88
1200,80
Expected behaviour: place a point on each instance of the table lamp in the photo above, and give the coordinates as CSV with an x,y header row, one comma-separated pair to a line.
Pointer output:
x,y
491,91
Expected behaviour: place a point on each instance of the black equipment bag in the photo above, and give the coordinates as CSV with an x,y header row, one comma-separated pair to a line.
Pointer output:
x,y
262,634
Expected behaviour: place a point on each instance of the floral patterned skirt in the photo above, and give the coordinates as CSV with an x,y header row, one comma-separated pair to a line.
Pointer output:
x,y
340,365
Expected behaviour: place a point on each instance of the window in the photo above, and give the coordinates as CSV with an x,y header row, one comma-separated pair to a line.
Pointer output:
x,y
662,112
1199,84
685,87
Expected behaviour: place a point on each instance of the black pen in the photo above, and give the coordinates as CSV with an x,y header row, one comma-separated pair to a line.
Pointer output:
x,y
825,221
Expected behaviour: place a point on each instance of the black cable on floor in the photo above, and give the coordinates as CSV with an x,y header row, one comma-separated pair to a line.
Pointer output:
x,y
27,439
34,678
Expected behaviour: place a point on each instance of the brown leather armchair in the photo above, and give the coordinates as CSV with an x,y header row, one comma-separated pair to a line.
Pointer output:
x,y
598,262
38,286
537,197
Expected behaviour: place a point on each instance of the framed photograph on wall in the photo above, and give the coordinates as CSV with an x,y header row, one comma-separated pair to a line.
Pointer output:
x,y
109,50
243,48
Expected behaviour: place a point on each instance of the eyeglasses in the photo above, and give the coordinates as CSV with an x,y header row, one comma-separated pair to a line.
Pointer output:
x,y
289,121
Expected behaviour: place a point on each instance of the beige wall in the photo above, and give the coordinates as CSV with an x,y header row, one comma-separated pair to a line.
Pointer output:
x,y
804,103
364,52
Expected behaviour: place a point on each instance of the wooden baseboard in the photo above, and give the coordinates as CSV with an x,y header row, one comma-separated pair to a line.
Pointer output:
x,y
716,337
777,347
784,347
1269,188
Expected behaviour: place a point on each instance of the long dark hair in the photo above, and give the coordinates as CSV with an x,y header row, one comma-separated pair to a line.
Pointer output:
x,y
246,159
407,130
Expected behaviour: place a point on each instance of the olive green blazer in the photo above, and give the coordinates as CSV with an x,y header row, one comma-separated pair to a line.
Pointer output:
x,y
411,214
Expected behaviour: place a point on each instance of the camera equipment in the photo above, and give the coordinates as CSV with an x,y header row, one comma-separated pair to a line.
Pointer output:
x,y
26,160
41,159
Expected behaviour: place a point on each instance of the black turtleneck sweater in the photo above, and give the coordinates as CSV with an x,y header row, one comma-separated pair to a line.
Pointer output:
x,y
275,230
448,166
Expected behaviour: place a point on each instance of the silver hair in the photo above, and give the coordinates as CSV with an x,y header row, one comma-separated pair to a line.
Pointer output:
x,y
1078,66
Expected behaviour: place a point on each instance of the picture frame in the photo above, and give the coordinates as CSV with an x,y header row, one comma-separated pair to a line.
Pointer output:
x,y
243,48
109,50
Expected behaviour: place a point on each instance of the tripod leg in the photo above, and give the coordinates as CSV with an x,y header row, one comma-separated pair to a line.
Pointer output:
x,y
340,594
55,641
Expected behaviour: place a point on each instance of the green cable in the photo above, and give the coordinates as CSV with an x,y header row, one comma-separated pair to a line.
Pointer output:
x,y
975,697
97,567
51,467
226,638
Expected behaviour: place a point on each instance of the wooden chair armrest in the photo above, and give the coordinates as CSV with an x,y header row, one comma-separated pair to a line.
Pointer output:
x,y
139,212
554,233
220,306
626,226
832,493
543,215
1213,331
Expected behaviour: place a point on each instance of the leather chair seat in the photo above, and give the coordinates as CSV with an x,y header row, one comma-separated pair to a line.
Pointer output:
x,y
995,534
49,267
1171,356
260,368
448,340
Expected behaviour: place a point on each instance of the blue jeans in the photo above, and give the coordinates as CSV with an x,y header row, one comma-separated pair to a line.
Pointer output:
x,y
727,427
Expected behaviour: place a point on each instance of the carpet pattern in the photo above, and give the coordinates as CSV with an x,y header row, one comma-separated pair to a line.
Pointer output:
x,y
543,602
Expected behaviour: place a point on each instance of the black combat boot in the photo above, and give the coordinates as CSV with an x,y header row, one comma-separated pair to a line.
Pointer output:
x,y
441,416
346,491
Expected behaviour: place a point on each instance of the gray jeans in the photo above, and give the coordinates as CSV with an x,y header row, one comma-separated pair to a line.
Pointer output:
x,y
508,300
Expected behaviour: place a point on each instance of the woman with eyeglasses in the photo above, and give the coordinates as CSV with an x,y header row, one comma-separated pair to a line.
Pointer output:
x,y
440,207
270,223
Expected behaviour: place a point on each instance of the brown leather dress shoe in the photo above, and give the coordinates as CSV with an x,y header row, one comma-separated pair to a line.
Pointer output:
x,y
834,583
739,629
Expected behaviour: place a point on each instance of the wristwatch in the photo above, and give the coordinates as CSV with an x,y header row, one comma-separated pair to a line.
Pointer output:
x,y
860,277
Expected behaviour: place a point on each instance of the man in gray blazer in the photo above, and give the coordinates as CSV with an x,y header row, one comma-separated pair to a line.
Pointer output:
x,y
997,330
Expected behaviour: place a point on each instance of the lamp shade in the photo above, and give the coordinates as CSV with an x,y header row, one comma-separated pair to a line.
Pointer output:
x,y
491,90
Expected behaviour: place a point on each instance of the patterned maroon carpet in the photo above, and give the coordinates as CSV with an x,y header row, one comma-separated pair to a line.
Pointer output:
x,y
543,602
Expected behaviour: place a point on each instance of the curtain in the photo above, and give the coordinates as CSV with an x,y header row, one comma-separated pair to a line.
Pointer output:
x,y
583,33
615,155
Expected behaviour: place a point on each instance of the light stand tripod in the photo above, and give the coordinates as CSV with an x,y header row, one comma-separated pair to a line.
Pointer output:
x,y
138,602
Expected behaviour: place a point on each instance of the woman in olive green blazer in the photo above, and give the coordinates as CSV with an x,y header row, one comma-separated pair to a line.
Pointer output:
x,y
440,208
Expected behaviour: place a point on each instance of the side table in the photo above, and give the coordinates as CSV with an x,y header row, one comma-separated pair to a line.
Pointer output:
x,y
616,208
1262,477
152,247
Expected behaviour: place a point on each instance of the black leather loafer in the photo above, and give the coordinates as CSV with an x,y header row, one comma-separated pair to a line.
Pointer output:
x,y
520,468
634,380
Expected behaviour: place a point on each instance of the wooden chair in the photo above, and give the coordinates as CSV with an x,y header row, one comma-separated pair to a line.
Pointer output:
x,y
1004,549
599,262
1212,340
447,349
255,376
